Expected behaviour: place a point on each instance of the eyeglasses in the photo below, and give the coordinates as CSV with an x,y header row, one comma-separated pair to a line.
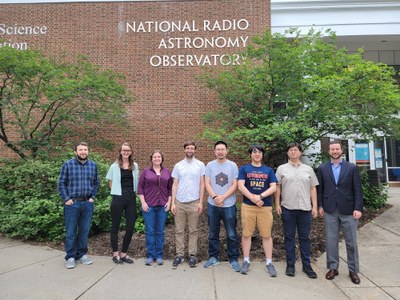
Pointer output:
x,y
256,151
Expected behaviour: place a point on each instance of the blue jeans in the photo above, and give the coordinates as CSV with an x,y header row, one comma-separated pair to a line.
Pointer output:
x,y
301,220
78,218
228,216
154,221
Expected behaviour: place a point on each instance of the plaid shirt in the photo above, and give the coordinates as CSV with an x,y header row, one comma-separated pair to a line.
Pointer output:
x,y
78,180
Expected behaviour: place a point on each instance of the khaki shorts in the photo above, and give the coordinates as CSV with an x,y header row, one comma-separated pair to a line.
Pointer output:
x,y
260,216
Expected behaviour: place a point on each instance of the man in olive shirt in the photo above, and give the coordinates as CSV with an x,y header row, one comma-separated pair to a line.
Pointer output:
x,y
297,185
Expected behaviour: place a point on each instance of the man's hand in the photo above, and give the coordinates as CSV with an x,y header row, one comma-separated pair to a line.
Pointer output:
x,y
278,209
357,214
321,211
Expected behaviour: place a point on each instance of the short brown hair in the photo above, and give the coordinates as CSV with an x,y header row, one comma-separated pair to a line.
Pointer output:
x,y
336,142
189,143
81,144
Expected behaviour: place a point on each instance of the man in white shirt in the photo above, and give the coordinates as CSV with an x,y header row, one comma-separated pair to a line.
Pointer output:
x,y
187,202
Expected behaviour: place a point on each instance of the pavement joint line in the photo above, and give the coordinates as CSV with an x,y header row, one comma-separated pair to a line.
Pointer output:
x,y
96,282
32,264
215,284
341,290
388,230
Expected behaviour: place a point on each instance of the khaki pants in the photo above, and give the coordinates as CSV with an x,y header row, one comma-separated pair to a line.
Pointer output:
x,y
186,212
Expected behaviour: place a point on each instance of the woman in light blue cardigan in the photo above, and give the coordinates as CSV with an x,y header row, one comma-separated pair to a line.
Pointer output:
x,y
123,177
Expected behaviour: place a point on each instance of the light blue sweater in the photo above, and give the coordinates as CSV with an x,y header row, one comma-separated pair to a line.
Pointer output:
x,y
114,174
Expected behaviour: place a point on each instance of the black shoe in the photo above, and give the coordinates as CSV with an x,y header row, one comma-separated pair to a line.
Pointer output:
x,y
309,271
192,261
177,261
127,259
290,270
117,259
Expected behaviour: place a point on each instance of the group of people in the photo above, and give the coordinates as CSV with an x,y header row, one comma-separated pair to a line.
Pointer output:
x,y
334,193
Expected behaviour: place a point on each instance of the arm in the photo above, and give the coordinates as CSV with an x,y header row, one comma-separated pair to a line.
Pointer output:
x,y
253,198
145,207
358,197
168,205
210,190
314,210
141,185
62,185
96,184
202,186
320,191
230,191
277,197
173,197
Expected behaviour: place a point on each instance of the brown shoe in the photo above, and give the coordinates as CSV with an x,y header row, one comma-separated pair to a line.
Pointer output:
x,y
354,277
331,274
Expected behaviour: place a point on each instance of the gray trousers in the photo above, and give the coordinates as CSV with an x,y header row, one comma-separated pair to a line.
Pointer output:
x,y
333,224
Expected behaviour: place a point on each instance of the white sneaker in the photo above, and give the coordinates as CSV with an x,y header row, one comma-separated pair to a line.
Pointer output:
x,y
85,260
70,264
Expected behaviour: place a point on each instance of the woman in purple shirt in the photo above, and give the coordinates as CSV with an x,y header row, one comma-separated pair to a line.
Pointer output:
x,y
154,190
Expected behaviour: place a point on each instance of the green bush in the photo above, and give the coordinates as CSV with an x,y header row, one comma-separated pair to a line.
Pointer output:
x,y
30,206
374,197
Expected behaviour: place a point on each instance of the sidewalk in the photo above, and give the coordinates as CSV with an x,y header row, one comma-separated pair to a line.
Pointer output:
x,y
32,272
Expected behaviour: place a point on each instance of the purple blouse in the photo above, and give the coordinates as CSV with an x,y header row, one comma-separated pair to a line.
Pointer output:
x,y
155,188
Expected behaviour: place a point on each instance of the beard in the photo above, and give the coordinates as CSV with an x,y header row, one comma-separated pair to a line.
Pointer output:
x,y
335,156
80,158
189,155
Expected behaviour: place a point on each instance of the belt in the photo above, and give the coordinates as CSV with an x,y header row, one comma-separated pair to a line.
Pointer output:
x,y
80,199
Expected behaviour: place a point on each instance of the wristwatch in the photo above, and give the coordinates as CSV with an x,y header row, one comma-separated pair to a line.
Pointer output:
x,y
261,197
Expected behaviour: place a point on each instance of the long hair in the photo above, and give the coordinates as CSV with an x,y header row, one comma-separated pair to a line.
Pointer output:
x,y
119,157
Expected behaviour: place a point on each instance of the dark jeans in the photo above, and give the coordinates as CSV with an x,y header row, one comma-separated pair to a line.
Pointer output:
x,y
228,216
119,204
301,220
78,218
154,221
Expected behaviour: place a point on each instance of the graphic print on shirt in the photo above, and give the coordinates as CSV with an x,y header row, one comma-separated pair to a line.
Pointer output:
x,y
257,180
221,179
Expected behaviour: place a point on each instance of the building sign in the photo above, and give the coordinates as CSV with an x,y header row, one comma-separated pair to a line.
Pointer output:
x,y
7,31
178,40
362,153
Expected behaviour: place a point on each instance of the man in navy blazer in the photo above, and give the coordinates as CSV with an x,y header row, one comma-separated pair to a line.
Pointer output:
x,y
340,202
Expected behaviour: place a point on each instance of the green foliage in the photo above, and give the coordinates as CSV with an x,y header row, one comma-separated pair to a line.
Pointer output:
x,y
374,197
300,87
30,206
43,101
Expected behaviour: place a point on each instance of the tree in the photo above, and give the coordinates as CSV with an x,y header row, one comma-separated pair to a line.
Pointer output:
x,y
300,87
43,102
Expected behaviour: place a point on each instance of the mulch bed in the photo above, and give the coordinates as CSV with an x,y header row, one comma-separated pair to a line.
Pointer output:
x,y
100,244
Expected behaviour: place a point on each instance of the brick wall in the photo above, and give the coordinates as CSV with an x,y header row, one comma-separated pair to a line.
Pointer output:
x,y
170,101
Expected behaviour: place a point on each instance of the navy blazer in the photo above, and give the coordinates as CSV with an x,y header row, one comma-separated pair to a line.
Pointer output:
x,y
346,195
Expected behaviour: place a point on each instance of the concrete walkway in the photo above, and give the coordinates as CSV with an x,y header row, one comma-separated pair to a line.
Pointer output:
x,y
33,272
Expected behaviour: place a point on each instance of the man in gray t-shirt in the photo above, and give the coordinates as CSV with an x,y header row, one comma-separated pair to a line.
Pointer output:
x,y
221,185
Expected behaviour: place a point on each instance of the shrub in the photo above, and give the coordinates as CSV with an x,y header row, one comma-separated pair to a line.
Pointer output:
x,y
30,206
374,197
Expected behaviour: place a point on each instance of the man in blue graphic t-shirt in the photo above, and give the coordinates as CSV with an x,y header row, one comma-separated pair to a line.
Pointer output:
x,y
257,182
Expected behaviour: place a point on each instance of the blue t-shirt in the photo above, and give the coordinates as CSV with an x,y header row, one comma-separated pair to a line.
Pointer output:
x,y
257,180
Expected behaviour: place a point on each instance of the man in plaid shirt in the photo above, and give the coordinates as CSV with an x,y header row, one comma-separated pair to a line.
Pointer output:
x,y
78,185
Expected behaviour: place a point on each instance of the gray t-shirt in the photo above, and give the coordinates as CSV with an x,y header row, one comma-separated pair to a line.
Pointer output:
x,y
221,178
